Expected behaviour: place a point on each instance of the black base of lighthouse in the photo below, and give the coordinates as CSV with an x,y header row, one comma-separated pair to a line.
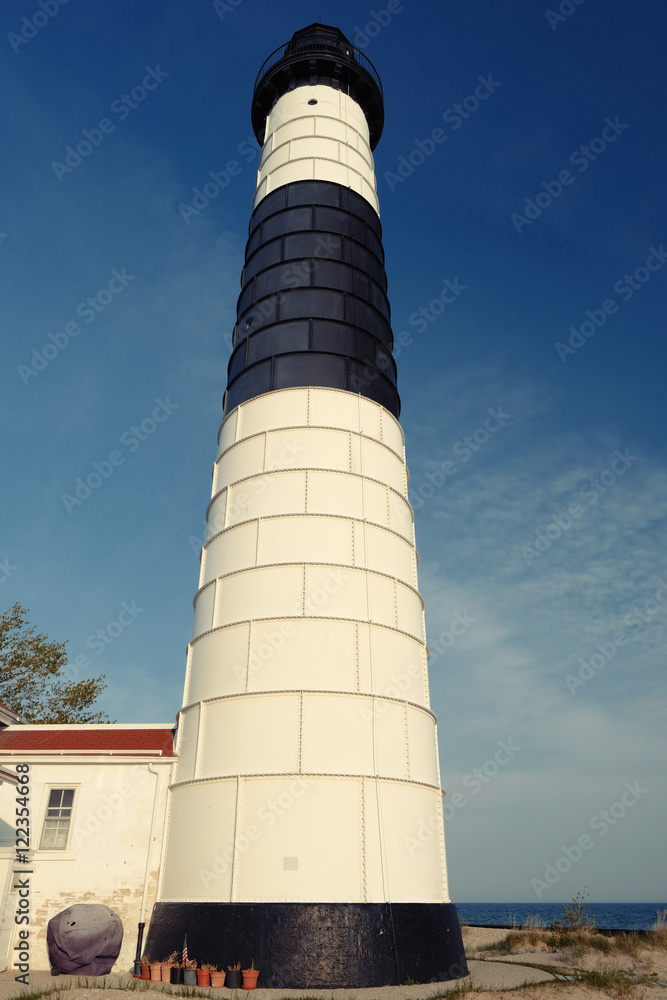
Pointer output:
x,y
318,945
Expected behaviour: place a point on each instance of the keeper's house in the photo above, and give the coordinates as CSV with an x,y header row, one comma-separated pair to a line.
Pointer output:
x,y
97,805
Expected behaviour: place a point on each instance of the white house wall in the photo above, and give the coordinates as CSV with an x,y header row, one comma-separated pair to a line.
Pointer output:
x,y
105,859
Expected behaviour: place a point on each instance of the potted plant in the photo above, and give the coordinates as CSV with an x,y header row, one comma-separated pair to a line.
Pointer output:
x,y
250,977
156,971
176,974
233,978
167,966
217,978
190,972
145,967
204,974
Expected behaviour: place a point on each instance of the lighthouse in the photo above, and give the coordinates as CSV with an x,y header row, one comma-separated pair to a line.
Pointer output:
x,y
305,826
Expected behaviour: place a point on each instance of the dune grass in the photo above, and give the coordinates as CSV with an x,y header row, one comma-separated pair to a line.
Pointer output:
x,y
575,931
579,942
614,980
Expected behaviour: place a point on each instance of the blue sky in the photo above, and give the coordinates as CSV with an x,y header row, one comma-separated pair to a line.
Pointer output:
x,y
538,471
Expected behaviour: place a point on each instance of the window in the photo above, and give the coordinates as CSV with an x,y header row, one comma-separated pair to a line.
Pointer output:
x,y
57,820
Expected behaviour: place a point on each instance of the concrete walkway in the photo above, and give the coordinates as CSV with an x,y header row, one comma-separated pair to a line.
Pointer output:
x,y
484,976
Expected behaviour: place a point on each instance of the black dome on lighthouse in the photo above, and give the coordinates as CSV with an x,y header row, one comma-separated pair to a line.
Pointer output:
x,y
319,54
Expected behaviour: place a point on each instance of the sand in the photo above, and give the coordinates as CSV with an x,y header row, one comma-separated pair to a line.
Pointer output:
x,y
650,962
492,977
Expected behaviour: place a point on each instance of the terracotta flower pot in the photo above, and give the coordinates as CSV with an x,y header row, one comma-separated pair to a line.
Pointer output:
x,y
166,973
217,979
250,979
145,972
156,971
203,977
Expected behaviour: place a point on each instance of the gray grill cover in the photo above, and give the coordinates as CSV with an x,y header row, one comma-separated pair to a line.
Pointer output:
x,y
85,938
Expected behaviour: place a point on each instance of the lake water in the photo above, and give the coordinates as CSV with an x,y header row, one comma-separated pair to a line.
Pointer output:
x,y
624,916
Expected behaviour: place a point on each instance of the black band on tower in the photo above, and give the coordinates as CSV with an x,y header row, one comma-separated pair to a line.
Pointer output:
x,y
313,309
319,945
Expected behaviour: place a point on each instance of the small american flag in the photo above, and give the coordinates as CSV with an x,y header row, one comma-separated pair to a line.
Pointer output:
x,y
185,950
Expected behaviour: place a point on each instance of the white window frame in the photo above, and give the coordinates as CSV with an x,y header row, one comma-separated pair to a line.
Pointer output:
x,y
63,787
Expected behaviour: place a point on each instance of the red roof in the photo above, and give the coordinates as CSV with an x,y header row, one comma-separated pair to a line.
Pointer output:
x,y
105,740
10,711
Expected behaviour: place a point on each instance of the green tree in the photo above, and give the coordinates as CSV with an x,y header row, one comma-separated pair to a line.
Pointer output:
x,y
31,676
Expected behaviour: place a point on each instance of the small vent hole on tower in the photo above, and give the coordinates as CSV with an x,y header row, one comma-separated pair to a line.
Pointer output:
x,y
312,101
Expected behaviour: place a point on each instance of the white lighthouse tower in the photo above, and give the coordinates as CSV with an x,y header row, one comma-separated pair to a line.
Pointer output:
x,y
308,760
